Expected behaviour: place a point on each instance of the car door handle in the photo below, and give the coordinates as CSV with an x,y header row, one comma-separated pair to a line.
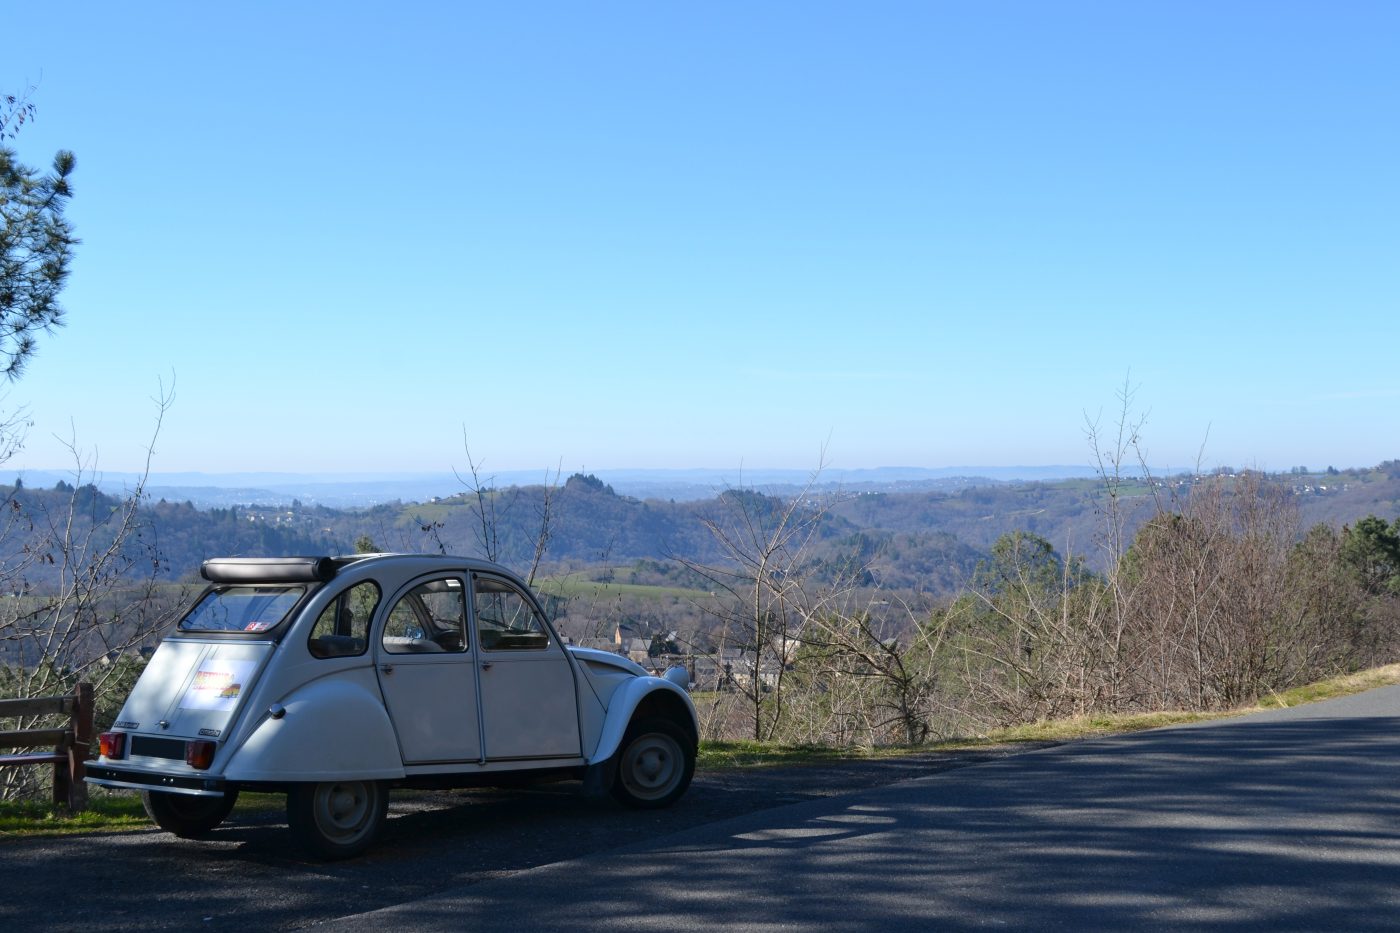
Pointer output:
x,y
387,668
486,665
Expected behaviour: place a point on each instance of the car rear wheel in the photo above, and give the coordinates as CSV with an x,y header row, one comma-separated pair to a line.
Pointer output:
x,y
187,816
654,765
336,819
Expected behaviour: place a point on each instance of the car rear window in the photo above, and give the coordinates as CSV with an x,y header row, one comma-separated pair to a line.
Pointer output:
x,y
241,608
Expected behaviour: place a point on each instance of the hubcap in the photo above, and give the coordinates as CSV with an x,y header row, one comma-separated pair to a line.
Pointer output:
x,y
344,810
652,768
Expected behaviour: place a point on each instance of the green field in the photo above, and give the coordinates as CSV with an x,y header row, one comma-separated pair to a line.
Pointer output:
x,y
575,585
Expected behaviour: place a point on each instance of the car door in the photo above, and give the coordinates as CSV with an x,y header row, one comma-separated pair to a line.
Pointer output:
x,y
426,665
528,702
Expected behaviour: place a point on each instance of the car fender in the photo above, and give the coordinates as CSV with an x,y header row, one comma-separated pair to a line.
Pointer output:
x,y
664,695
332,728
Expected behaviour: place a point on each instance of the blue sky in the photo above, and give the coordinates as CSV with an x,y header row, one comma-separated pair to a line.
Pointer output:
x,y
651,234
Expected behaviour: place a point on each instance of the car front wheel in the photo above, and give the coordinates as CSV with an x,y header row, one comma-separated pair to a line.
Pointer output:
x,y
336,819
655,764
187,816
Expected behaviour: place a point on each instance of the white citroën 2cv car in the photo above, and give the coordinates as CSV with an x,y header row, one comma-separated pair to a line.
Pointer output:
x,y
334,679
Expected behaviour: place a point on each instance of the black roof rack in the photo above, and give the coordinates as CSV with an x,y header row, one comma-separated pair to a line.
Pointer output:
x,y
269,569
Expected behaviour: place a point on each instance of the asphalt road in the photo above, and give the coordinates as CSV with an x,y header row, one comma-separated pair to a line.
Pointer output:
x,y
1280,821
1284,820
247,876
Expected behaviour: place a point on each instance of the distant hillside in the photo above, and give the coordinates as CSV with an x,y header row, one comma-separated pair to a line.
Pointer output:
x,y
361,490
923,540
45,533
1342,497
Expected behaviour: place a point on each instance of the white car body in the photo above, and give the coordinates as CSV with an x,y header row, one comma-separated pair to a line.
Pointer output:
x,y
320,699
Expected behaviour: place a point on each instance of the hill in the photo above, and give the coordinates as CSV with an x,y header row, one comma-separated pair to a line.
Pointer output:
x,y
928,540
362,490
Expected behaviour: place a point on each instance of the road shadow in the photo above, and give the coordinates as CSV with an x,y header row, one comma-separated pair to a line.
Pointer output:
x,y
248,873
1240,826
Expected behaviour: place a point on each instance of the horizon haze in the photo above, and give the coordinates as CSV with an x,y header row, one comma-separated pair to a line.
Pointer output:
x,y
348,490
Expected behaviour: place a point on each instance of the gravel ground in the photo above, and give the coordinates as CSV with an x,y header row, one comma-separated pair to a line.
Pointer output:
x,y
248,875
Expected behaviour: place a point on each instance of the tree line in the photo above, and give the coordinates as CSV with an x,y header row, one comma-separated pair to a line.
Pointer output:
x,y
1220,597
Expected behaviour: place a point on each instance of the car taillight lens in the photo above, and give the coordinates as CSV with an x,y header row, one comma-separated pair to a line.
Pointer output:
x,y
199,754
112,744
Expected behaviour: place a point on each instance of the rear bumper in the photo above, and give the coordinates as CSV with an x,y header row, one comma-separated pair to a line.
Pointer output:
x,y
108,776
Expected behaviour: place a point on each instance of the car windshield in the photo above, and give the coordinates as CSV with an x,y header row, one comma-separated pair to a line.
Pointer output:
x,y
241,608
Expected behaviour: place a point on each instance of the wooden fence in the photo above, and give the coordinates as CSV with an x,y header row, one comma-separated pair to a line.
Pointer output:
x,y
71,743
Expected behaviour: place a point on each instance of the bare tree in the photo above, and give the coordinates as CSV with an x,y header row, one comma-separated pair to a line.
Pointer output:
x,y
490,515
1116,451
1217,595
762,588
887,654
1036,630
79,590
487,530
545,513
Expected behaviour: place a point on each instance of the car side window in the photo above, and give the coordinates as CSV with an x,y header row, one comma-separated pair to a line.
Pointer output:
x,y
342,630
428,619
505,618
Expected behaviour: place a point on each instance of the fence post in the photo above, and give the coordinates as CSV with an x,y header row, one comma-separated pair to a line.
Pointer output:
x,y
80,750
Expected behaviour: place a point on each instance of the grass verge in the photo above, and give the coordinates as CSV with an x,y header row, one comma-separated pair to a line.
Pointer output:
x,y
107,812
1335,687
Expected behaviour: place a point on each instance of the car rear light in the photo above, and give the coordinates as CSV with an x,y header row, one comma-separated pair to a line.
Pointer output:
x,y
112,744
199,754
